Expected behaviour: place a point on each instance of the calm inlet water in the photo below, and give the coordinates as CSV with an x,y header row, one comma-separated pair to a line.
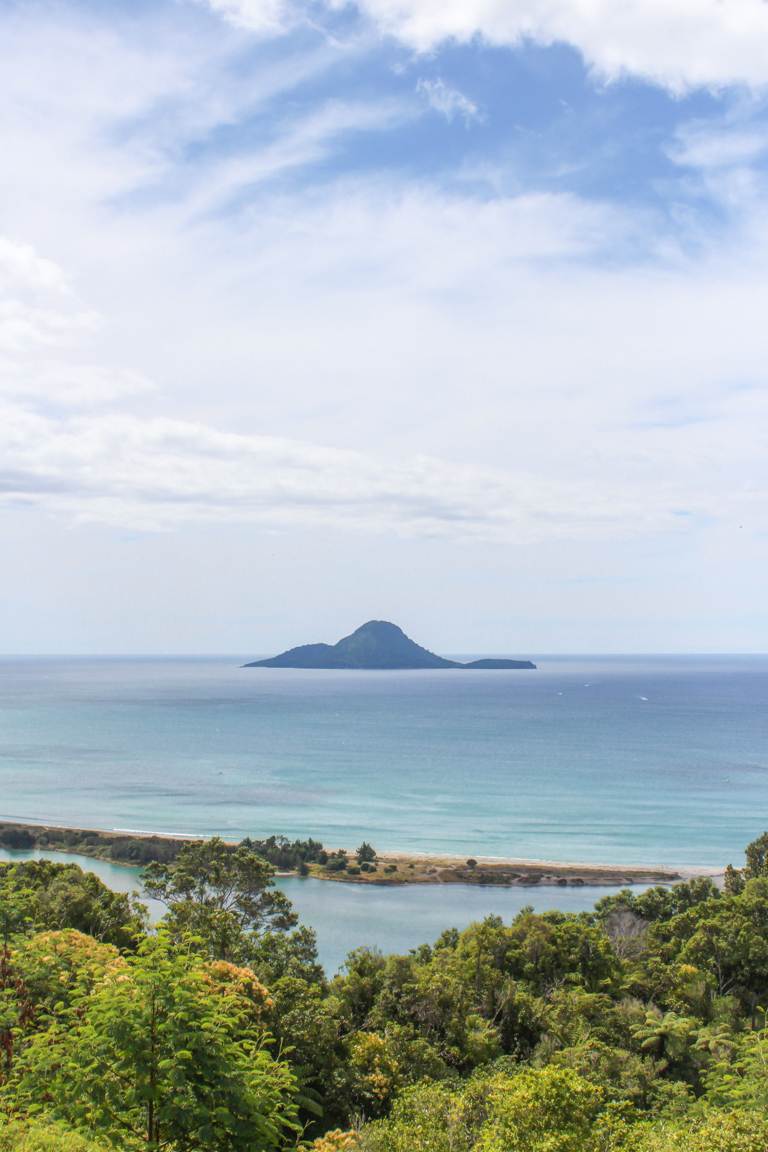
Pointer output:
x,y
639,760
346,916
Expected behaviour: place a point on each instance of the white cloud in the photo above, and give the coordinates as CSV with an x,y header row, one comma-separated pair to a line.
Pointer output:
x,y
129,471
376,354
301,142
73,384
37,308
432,313
155,474
46,333
448,101
679,44
707,147
260,16
21,267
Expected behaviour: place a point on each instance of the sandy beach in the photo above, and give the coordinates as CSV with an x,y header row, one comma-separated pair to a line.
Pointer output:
x,y
392,868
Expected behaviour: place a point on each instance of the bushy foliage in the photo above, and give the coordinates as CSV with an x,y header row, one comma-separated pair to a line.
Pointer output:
x,y
282,853
21,1137
163,1049
638,1027
220,895
39,894
530,1110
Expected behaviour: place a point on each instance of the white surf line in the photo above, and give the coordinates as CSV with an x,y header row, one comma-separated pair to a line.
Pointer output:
x,y
169,835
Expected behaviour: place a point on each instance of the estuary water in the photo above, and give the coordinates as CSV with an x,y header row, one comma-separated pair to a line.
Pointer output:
x,y
645,760
346,916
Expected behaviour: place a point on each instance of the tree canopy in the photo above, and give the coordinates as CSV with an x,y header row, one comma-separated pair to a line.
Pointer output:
x,y
220,894
636,1027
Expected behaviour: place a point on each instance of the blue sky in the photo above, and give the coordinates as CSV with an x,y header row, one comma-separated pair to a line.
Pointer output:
x,y
451,313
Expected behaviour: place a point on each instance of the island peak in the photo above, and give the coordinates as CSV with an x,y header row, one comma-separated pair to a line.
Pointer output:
x,y
377,645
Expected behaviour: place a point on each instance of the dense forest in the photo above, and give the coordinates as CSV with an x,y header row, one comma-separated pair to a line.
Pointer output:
x,y
639,1027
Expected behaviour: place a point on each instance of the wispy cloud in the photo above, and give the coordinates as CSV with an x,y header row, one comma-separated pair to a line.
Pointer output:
x,y
448,101
549,398
45,331
190,338
264,17
160,474
299,143
708,146
679,44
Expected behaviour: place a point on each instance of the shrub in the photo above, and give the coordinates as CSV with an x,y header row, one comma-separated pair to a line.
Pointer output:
x,y
16,1137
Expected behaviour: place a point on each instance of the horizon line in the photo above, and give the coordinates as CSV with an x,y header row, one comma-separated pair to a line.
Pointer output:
x,y
222,655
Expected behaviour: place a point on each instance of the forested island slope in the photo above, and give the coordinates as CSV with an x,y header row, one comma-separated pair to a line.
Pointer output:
x,y
377,646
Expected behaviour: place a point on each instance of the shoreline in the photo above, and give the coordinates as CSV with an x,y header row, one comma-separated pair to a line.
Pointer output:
x,y
392,868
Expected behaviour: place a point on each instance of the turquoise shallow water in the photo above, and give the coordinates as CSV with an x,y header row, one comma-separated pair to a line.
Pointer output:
x,y
657,760
346,916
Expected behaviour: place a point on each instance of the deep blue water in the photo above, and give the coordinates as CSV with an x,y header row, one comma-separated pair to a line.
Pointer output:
x,y
632,759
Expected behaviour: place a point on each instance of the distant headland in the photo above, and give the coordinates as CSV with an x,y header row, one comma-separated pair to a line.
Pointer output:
x,y
377,645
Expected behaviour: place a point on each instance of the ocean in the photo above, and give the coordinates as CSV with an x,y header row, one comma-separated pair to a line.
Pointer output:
x,y
658,760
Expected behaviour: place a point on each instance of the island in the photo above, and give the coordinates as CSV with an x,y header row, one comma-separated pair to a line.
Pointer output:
x,y
375,646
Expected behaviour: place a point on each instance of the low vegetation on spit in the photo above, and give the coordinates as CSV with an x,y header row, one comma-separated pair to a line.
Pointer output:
x,y
638,1027
311,858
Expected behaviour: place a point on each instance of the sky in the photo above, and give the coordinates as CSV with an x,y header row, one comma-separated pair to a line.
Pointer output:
x,y
448,312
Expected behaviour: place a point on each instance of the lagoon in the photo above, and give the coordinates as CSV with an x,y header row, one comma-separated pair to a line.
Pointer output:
x,y
347,916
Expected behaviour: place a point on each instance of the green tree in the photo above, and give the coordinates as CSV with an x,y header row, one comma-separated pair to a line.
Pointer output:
x,y
165,1052
221,894
428,1118
365,853
360,986
668,1037
727,938
757,857
551,1110
41,894
274,955
739,1077
624,1076
306,1026
43,976
548,1110
717,1131
756,866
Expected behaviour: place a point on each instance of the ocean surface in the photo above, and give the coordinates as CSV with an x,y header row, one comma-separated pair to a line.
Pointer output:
x,y
647,760
346,916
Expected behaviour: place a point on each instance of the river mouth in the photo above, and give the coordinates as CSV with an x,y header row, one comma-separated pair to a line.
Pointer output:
x,y
347,916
